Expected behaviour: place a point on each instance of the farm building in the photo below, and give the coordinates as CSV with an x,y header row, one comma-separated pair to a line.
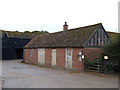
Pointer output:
x,y
13,43
66,49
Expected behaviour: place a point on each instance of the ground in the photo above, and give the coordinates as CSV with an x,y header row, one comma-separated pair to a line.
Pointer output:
x,y
20,75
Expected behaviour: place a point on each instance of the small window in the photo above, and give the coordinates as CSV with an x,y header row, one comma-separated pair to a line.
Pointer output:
x,y
31,53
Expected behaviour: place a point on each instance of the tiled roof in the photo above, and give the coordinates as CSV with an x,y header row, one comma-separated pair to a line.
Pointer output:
x,y
11,34
113,35
76,37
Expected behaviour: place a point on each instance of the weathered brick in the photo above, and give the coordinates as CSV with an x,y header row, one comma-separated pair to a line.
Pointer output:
x,y
28,59
60,57
48,57
90,54
76,64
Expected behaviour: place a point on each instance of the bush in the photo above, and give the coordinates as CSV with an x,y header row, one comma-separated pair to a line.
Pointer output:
x,y
112,51
91,63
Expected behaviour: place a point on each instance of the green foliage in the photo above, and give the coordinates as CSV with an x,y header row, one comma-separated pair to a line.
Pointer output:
x,y
113,52
40,32
88,63
37,32
16,31
111,66
91,63
26,31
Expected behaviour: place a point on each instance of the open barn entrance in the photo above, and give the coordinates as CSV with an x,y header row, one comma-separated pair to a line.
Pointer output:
x,y
19,53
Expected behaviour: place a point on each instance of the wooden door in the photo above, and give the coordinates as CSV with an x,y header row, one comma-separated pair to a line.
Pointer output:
x,y
41,57
54,57
68,62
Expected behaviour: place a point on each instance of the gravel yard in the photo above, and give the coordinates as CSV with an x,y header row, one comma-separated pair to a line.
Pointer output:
x,y
20,75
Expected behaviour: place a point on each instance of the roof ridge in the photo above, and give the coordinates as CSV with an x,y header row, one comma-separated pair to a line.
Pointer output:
x,y
113,32
75,28
86,26
68,38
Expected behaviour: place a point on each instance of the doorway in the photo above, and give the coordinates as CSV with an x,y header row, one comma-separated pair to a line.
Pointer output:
x,y
54,57
41,57
19,53
68,61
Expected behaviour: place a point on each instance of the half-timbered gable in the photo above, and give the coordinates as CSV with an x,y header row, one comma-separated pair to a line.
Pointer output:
x,y
99,38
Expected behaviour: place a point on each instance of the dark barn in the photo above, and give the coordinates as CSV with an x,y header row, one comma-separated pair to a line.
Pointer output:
x,y
13,43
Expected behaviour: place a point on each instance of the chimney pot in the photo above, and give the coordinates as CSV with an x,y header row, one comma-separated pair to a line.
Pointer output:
x,y
65,23
65,26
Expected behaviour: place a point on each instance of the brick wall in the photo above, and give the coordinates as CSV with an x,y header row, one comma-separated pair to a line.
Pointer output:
x,y
92,53
76,64
60,57
48,57
28,59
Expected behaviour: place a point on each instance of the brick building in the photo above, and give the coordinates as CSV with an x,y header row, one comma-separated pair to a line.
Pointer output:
x,y
66,49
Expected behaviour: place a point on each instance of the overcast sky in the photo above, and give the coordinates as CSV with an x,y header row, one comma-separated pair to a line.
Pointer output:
x,y
50,15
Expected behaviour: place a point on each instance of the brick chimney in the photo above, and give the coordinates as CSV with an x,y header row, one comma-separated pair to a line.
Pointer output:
x,y
65,26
